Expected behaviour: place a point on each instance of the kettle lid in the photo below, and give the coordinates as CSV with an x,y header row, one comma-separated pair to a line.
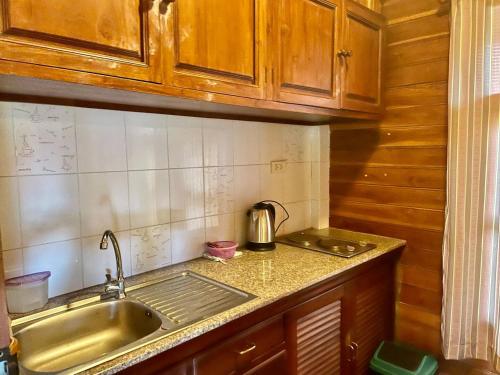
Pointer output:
x,y
263,206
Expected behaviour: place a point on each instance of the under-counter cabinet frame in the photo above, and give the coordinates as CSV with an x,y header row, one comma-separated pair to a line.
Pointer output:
x,y
333,327
120,38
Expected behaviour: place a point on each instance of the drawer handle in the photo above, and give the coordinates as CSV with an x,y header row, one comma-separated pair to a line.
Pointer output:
x,y
247,350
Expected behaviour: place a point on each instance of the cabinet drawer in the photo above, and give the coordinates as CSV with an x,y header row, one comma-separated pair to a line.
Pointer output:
x,y
242,351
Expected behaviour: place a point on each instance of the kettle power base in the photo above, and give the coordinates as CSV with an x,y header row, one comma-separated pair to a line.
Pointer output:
x,y
254,246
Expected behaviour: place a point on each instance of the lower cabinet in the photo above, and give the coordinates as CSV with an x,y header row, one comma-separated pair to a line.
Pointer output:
x,y
368,318
252,351
314,335
326,330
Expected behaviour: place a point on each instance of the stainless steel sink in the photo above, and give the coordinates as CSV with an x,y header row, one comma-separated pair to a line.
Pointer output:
x,y
79,336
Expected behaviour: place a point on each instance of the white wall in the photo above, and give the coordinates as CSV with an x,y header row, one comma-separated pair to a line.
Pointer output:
x,y
164,184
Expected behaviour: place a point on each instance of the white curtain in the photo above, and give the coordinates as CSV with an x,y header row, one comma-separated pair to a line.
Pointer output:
x,y
471,284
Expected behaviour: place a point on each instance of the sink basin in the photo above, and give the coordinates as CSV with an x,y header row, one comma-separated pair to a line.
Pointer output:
x,y
77,336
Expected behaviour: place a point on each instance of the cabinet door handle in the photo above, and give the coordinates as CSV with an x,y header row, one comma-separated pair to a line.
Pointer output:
x,y
344,53
247,350
354,352
164,5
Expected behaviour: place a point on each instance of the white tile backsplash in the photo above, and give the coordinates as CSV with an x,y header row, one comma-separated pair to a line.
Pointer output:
x,y
298,182
324,142
188,238
149,193
8,157
320,213
219,190
246,186
10,224
272,185
151,248
146,141
246,143
62,259
218,142
185,144
164,184
272,142
300,216
13,263
297,143
49,208
100,140
104,202
186,193
220,227
45,139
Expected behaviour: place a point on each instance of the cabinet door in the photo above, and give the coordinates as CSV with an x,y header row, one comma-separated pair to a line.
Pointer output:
x,y
369,317
314,335
276,365
245,351
217,46
305,61
362,59
113,37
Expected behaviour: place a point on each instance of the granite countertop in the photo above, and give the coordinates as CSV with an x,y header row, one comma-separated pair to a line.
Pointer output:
x,y
268,275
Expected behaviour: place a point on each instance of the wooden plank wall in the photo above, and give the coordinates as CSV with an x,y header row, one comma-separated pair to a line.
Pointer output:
x,y
389,177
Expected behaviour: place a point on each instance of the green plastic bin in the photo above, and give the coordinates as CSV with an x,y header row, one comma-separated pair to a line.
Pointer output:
x,y
393,358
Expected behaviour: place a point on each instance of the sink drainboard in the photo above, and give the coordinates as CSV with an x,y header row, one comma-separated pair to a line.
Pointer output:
x,y
189,297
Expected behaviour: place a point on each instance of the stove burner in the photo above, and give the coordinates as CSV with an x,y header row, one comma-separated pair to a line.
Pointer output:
x,y
303,239
336,245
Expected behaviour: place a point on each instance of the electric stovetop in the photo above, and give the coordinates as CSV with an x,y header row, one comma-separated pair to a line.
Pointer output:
x,y
325,244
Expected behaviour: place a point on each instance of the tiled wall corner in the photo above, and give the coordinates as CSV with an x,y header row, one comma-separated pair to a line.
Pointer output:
x,y
164,184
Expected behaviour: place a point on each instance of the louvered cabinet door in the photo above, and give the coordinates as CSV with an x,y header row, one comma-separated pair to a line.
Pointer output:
x,y
314,335
371,298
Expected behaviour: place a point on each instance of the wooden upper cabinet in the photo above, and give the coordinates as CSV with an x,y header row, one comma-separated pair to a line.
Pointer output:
x,y
217,46
362,59
113,37
306,38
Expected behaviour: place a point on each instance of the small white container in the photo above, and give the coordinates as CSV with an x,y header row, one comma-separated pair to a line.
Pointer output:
x,y
28,292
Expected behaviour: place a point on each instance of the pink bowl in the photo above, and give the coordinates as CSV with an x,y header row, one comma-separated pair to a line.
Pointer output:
x,y
224,249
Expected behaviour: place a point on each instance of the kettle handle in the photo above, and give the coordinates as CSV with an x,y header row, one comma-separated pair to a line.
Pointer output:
x,y
274,213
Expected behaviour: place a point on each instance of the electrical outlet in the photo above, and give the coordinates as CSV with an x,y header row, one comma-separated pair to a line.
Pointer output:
x,y
278,166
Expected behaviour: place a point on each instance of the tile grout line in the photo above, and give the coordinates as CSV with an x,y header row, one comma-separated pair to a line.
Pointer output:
x,y
18,190
82,265
171,227
129,226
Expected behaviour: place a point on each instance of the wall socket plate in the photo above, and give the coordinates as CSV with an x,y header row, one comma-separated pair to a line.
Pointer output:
x,y
278,166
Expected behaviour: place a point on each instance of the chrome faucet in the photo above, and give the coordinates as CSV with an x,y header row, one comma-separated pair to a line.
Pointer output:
x,y
113,288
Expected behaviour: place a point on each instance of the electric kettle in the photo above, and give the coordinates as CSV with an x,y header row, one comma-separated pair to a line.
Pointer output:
x,y
261,226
